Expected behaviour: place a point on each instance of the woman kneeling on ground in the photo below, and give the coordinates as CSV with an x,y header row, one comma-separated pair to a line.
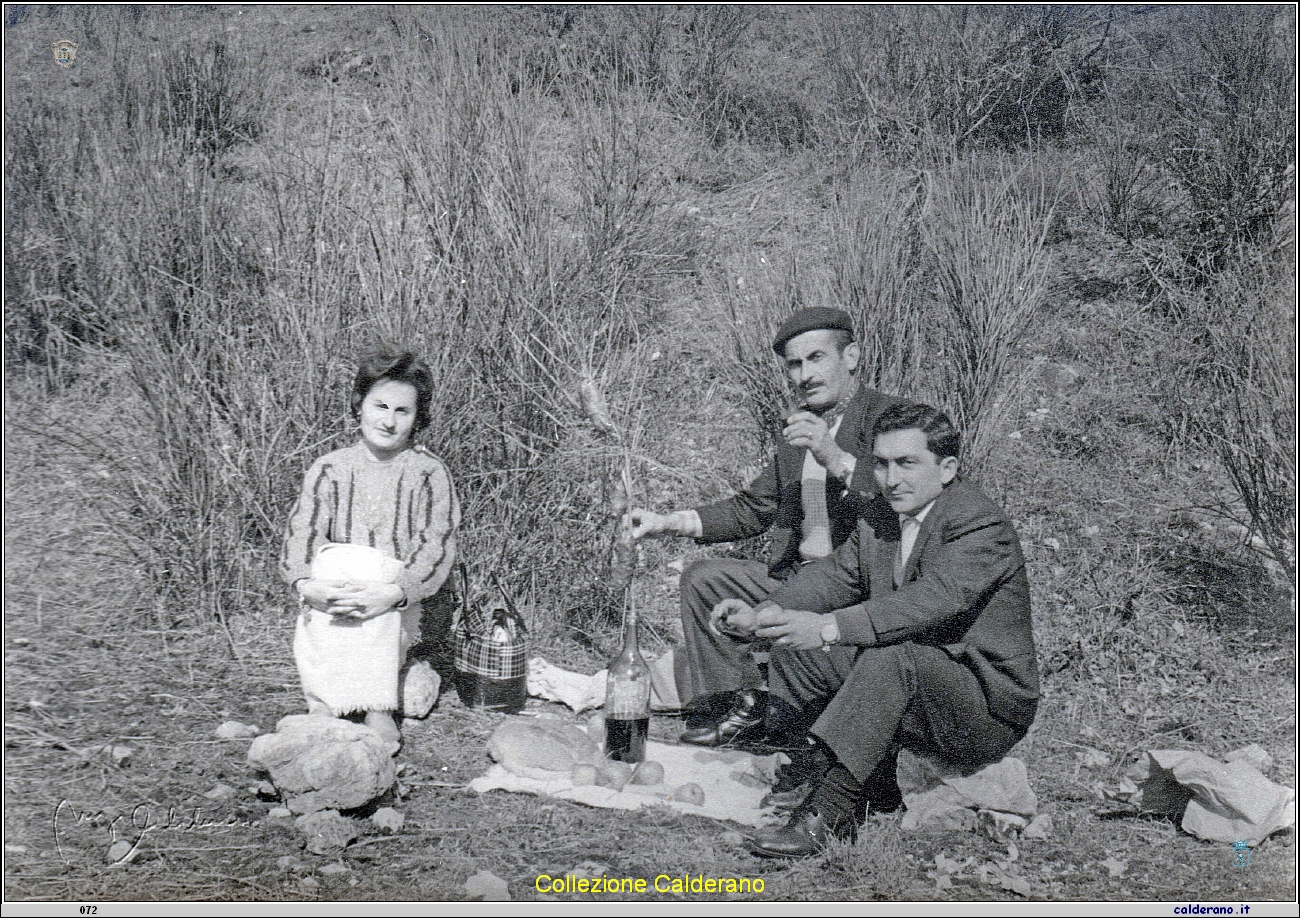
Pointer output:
x,y
370,541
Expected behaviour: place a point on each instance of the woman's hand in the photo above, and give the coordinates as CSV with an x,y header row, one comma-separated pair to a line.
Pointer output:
x,y
368,600
354,600
321,595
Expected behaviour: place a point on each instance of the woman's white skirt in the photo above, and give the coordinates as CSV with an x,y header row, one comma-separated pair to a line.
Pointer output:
x,y
346,663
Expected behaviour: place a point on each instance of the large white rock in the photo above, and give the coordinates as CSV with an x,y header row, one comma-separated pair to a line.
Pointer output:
x,y
320,763
1218,802
939,795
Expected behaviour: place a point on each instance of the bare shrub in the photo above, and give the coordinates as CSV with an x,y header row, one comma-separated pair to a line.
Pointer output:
x,y
873,269
713,42
966,73
697,61
758,294
943,276
204,100
1129,196
53,298
876,274
1229,101
887,68
650,38
623,47
1238,396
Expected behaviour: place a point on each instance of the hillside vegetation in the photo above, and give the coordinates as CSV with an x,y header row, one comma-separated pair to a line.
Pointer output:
x,y
1073,226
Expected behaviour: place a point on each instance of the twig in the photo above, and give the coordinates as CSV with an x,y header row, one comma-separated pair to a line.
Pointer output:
x,y
374,841
221,619
50,740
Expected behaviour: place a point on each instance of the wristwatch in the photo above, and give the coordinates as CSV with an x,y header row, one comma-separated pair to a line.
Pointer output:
x,y
830,634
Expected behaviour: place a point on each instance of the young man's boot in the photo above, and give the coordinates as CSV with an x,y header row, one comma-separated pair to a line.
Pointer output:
x,y
830,811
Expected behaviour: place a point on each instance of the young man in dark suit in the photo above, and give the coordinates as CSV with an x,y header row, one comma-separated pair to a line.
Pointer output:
x,y
807,498
915,634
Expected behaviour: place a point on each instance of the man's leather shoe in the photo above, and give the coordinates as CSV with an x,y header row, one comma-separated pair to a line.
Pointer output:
x,y
805,833
743,722
707,710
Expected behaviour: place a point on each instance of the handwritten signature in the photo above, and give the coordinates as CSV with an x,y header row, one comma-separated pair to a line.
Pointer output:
x,y
131,829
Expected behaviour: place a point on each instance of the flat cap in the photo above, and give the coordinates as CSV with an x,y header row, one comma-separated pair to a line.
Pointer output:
x,y
814,318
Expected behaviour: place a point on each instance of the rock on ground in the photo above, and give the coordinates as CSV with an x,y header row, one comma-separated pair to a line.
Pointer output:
x,y
233,729
487,886
327,831
937,795
420,690
388,819
321,763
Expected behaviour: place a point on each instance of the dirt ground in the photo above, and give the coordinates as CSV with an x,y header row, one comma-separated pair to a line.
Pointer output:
x,y
1154,631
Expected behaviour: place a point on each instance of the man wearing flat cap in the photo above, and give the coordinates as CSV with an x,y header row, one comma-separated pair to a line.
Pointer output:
x,y
807,498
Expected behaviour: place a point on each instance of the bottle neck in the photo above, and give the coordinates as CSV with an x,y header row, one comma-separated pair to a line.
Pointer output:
x,y
630,631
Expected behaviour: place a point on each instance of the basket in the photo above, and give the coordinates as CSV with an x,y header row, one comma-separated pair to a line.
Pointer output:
x,y
491,654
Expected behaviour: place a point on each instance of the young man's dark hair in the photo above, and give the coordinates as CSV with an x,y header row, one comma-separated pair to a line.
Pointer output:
x,y
941,437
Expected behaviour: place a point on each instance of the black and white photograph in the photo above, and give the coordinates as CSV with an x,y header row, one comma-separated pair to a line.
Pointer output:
x,y
543,456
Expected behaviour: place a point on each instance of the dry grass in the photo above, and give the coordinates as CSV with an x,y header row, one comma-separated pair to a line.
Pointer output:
x,y
987,239
569,218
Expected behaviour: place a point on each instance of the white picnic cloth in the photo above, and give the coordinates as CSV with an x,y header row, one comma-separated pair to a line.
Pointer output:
x,y
585,693
734,784
349,664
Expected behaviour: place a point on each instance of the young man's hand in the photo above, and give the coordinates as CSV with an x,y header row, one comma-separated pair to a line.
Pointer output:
x,y
795,629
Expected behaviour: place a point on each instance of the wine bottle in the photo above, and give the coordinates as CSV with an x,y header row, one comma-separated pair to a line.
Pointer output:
x,y
627,698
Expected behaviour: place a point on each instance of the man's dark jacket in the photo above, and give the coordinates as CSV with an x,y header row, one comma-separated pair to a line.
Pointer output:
x,y
773,501
964,589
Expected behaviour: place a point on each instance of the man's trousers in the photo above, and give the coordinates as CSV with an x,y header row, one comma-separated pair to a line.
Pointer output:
x,y
713,663
866,702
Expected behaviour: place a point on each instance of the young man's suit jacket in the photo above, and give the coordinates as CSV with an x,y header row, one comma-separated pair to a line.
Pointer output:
x,y
964,589
773,501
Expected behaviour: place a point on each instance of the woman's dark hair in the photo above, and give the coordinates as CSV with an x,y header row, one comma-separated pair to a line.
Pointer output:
x,y
941,438
398,366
